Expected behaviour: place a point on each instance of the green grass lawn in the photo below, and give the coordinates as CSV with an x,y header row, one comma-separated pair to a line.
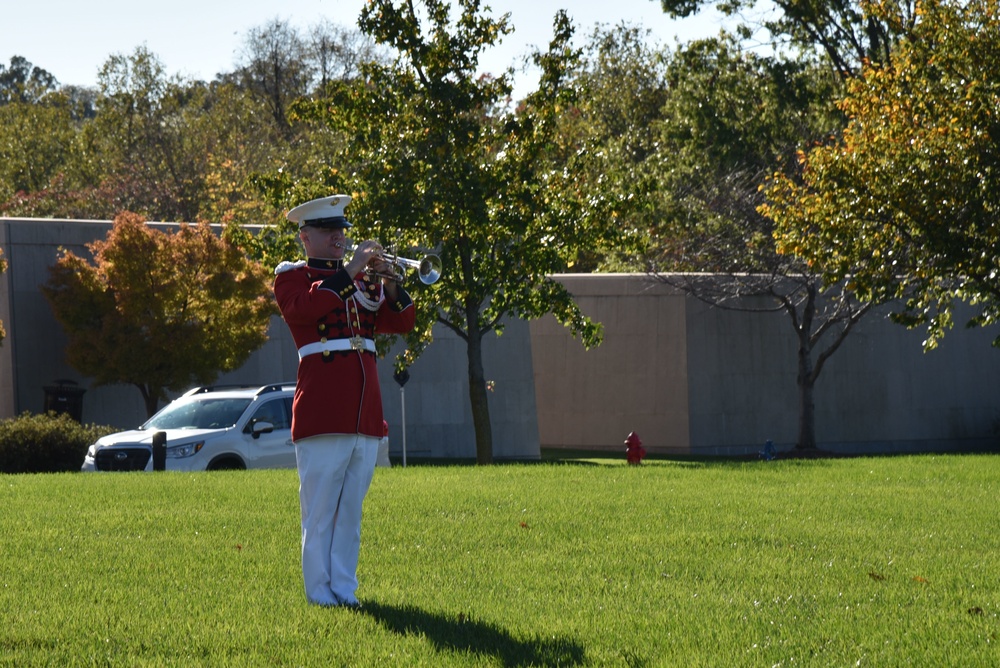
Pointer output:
x,y
844,562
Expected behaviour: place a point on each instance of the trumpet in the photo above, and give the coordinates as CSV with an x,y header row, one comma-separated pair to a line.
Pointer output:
x,y
428,267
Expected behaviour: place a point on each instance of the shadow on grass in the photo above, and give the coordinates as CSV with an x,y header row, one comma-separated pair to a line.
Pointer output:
x,y
460,633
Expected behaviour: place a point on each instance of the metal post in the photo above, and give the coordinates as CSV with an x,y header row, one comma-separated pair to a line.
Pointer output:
x,y
160,451
401,377
402,401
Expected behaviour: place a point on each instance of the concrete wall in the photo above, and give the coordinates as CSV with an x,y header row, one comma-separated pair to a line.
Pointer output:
x,y
636,380
438,410
6,345
438,415
693,379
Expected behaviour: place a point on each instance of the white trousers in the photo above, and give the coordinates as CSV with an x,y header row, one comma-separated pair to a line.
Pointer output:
x,y
335,472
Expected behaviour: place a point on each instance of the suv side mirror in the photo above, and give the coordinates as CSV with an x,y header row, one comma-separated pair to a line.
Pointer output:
x,y
261,428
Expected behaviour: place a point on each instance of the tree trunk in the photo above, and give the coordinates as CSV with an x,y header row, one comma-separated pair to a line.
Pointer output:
x,y
806,378
807,404
478,398
149,398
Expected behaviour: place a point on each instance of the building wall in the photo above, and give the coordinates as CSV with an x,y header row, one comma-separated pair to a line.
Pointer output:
x,y
7,344
438,415
689,378
636,380
438,409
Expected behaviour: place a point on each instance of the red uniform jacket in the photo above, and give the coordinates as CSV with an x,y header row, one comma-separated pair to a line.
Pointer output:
x,y
337,392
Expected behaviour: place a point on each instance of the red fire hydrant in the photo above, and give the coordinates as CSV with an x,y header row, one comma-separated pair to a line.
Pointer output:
x,y
634,452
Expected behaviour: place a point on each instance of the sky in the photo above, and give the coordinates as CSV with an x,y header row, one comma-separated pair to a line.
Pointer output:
x,y
200,38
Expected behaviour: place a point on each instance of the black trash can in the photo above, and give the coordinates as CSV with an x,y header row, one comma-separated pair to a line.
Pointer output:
x,y
65,397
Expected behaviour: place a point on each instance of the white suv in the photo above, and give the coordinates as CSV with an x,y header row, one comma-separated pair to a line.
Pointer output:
x,y
207,428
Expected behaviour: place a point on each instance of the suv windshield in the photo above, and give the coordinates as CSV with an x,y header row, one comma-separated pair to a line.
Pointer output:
x,y
199,413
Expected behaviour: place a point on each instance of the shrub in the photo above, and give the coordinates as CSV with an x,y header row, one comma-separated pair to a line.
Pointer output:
x,y
45,443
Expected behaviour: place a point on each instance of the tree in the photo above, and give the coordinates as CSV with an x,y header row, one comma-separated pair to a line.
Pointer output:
x,y
236,139
37,130
171,149
131,155
159,311
241,191
35,144
82,100
620,88
275,67
23,82
434,157
904,205
336,52
843,32
730,119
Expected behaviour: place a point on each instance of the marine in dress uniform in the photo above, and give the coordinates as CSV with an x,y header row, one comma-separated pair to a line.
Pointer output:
x,y
333,311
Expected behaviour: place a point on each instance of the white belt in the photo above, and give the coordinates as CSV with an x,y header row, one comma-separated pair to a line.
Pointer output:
x,y
333,345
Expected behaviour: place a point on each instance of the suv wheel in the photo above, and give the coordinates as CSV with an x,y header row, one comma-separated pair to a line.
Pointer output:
x,y
226,464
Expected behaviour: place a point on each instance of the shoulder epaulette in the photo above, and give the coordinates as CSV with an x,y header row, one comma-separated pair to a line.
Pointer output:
x,y
288,266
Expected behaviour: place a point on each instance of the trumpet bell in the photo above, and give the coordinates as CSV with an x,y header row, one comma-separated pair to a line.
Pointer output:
x,y
428,267
429,270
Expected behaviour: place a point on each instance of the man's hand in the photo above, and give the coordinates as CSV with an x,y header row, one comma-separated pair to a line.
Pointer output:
x,y
364,254
388,271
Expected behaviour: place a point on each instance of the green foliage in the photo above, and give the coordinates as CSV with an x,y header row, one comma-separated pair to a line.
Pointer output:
x,y
610,135
160,311
272,245
731,118
880,561
275,71
35,141
905,203
846,34
23,82
46,443
171,149
144,145
230,138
